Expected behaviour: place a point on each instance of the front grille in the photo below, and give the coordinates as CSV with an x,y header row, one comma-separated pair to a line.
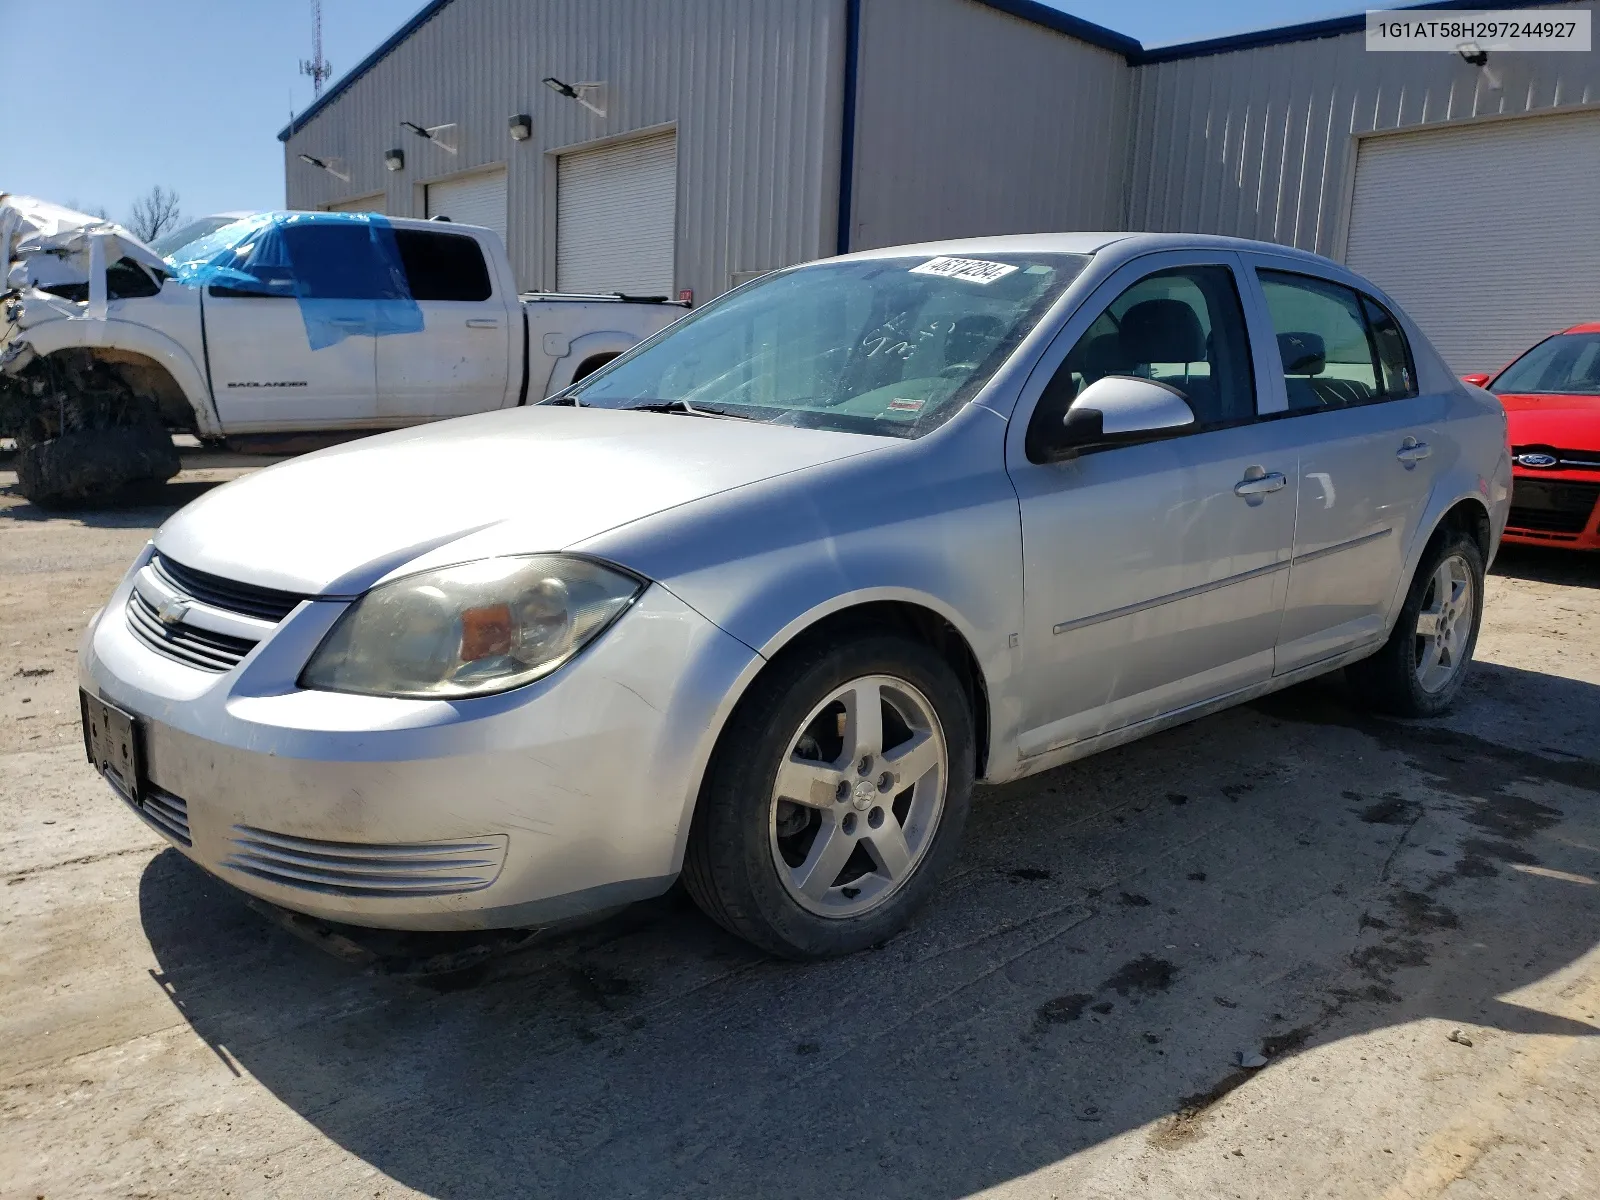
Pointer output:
x,y
230,595
193,647
168,813
1552,506
362,869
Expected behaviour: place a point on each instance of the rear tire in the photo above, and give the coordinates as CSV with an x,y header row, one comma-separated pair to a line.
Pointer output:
x,y
1422,666
882,798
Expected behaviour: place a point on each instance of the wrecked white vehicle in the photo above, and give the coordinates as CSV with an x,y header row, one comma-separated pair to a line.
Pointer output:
x,y
269,332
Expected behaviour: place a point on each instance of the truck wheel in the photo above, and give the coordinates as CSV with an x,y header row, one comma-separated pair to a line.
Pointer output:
x,y
87,465
1422,665
835,798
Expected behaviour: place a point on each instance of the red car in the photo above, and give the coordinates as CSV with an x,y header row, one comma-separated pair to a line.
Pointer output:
x,y
1552,399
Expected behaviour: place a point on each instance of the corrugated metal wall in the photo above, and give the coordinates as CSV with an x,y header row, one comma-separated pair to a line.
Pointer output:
x,y
753,88
971,121
1261,143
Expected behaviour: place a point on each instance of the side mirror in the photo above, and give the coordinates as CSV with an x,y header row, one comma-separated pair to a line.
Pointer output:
x,y
1476,379
1119,410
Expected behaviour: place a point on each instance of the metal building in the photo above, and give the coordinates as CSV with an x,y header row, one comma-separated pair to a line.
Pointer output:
x,y
656,146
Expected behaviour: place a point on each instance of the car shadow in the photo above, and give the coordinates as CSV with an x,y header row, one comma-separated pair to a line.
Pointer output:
x,y
133,510
1569,568
1277,877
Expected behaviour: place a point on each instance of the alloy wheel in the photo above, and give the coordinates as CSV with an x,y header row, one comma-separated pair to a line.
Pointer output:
x,y
1444,624
858,797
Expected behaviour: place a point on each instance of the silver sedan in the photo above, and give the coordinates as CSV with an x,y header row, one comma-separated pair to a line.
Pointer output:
x,y
757,603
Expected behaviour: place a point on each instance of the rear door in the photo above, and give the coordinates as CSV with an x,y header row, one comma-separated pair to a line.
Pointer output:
x,y
1369,448
460,361
1154,573
289,335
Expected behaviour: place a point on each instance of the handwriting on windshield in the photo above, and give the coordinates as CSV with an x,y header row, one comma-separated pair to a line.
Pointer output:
x,y
888,340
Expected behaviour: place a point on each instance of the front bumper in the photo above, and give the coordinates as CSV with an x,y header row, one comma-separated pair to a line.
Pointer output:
x,y
1554,508
566,797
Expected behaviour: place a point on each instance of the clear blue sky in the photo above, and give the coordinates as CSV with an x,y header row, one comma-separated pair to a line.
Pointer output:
x,y
190,94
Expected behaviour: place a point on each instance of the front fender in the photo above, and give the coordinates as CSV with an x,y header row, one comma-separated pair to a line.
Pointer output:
x,y
72,333
931,523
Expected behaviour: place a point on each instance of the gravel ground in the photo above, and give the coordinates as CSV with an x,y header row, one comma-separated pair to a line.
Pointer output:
x,y
1292,879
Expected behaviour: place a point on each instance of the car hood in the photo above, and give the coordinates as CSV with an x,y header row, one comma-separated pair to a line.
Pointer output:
x,y
521,480
1565,422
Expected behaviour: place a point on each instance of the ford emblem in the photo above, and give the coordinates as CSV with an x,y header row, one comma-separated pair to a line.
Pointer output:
x,y
173,611
1536,460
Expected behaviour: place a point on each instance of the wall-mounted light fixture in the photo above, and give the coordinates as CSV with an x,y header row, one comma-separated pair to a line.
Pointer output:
x,y
442,136
1475,55
521,127
333,166
395,159
581,92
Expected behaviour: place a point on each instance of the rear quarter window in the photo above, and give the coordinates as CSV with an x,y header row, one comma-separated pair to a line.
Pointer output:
x,y
443,266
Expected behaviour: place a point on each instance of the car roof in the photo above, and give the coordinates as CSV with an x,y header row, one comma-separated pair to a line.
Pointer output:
x,y
1584,327
1126,244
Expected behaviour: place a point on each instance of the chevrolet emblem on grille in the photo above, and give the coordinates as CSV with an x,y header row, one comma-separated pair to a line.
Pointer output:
x,y
173,611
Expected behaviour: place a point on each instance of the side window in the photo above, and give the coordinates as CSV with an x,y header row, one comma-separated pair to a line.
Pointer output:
x,y
1183,327
1394,352
338,262
1327,357
443,266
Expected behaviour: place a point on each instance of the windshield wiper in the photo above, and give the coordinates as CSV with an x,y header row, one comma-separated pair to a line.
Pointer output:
x,y
683,406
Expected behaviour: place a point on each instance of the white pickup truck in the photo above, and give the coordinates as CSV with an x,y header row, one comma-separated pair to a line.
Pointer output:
x,y
274,330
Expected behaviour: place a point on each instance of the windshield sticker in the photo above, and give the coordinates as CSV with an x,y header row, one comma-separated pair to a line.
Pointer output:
x,y
900,404
973,270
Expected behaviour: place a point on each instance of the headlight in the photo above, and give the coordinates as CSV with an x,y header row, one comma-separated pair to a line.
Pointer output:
x,y
472,629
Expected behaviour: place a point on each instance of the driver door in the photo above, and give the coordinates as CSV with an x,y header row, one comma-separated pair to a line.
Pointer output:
x,y
1150,583
266,372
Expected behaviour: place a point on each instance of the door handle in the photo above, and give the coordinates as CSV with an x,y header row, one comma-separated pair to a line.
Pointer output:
x,y
1272,481
482,323
1413,451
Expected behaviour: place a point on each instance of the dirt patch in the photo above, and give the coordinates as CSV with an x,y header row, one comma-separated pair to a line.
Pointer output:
x,y
1134,900
1185,1125
1393,809
1420,912
1517,817
1062,1009
1028,874
1146,974
1287,1043
599,986
1381,961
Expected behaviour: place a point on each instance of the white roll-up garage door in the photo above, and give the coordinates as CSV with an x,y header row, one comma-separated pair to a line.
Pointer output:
x,y
371,204
477,199
1488,235
616,220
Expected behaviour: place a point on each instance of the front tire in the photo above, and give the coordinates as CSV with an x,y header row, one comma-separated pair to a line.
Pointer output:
x,y
1422,666
835,798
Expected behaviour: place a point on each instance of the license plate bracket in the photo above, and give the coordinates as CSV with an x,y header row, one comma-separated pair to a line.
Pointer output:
x,y
111,739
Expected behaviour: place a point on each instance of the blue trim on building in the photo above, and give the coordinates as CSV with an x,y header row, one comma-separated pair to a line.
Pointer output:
x,y
1063,22
426,14
847,132
1304,32
1027,10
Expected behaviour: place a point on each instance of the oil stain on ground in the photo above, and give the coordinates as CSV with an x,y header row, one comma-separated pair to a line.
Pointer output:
x,y
1145,974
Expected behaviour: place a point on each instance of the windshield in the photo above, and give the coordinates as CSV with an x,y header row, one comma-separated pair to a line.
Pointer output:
x,y
1565,365
168,244
888,346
